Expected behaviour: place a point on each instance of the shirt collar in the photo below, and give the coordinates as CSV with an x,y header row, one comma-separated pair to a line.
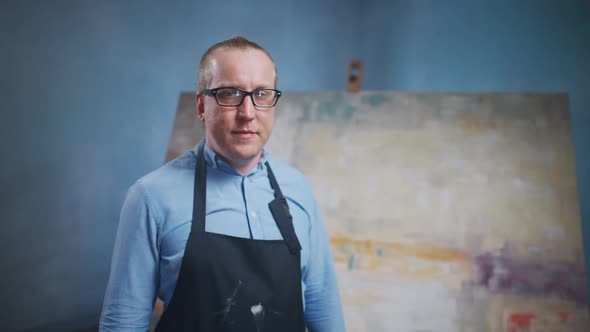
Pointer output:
x,y
213,160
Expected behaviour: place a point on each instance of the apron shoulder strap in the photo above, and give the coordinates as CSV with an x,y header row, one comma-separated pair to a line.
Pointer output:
x,y
200,192
280,211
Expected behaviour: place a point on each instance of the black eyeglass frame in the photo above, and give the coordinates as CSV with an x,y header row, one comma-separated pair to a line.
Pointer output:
x,y
213,92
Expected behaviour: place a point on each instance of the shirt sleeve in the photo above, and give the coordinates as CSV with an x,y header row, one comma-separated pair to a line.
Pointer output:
x,y
133,281
323,309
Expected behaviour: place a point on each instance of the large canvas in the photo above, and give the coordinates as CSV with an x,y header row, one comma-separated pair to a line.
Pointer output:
x,y
446,212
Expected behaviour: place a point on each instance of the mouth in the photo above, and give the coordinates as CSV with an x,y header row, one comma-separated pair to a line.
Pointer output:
x,y
244,134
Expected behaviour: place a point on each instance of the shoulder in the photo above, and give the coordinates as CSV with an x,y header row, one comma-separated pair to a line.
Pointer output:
x,y
287,174
294,184
174,170
159,187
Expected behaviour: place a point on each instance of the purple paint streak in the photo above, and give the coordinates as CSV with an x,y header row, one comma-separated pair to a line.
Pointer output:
x,y
501,273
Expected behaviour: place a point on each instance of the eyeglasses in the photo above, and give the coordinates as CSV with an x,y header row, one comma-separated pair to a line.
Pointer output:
x,y
265,98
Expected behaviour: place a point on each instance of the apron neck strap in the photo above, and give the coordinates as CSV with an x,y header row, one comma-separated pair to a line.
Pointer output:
x,y
280,212
200,192
273,182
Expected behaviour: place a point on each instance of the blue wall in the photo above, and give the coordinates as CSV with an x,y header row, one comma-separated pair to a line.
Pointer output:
x,y
89,91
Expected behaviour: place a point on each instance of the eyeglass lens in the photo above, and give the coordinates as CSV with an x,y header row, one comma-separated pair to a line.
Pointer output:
x,y
234,97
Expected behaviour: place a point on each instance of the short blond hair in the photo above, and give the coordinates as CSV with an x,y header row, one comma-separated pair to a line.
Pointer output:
x,y
235,42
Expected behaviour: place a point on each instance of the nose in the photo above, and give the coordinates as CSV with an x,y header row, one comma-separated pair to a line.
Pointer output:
x,y
247,110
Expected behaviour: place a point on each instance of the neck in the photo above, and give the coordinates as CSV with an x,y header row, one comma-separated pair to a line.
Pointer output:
x,y
243,166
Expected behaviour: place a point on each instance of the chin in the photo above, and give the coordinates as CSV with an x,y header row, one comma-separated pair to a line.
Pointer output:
x,y
246,155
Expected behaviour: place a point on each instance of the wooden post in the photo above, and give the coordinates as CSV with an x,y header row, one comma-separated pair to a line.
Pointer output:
x,y
355,76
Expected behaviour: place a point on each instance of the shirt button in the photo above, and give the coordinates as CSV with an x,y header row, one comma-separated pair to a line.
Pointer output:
x,y
253,214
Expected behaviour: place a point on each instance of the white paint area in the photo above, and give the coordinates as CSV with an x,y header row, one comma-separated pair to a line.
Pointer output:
x,y
257,310
258,313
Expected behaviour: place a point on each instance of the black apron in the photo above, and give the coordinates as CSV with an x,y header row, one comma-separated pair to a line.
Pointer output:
x,y
229,283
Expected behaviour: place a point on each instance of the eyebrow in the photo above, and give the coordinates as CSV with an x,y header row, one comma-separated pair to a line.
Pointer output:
x,y
229,85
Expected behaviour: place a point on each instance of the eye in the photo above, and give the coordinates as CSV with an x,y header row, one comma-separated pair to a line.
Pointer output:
x,y
262,93
228,93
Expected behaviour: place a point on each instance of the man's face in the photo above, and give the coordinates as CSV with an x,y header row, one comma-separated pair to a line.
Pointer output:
x,y
238,133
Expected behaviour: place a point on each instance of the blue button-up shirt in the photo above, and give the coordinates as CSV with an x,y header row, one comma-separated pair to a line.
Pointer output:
x,y
155,223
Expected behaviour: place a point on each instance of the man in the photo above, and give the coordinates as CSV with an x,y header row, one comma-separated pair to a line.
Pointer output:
x,y
230,238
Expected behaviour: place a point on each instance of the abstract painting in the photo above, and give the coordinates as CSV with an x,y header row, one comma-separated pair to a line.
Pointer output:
x,y
446,212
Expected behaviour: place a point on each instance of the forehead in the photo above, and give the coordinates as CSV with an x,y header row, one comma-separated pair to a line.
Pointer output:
x,y
241,67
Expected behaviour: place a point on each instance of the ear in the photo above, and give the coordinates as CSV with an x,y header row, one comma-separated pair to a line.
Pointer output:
x,y
200,103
